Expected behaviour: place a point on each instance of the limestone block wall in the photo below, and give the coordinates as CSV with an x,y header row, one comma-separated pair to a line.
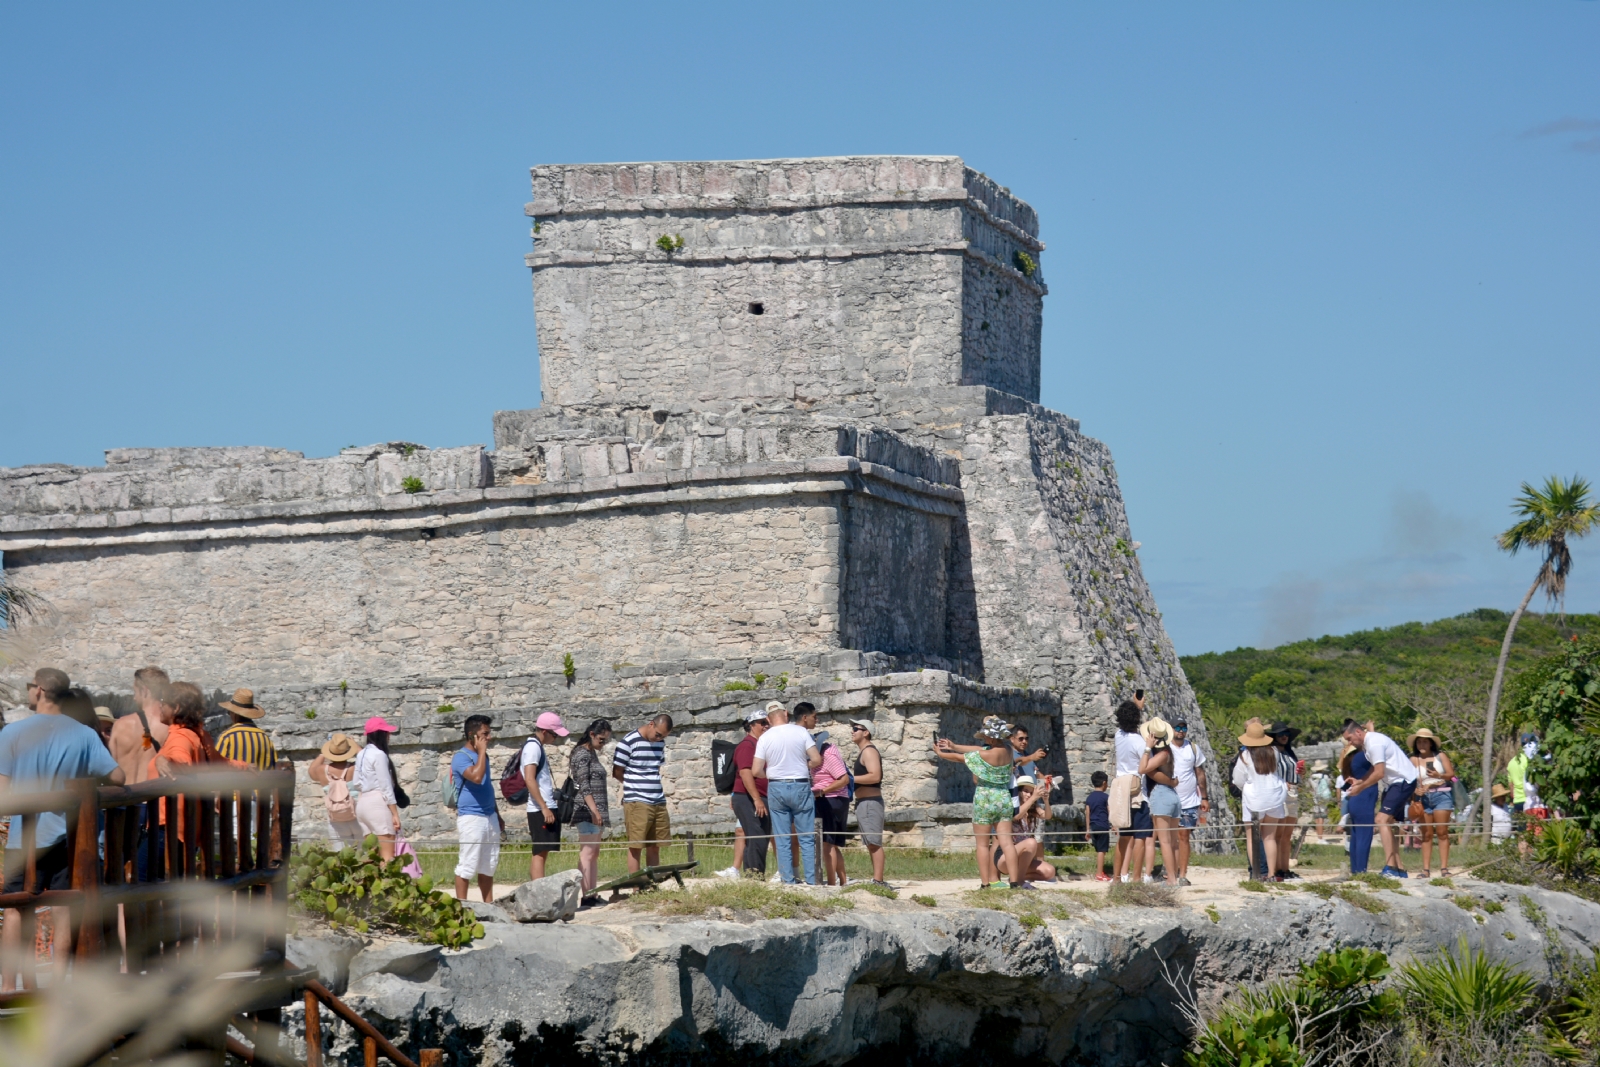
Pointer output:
x,y
799,280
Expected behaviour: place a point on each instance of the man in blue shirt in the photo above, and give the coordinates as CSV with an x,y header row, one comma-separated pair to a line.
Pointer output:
x,y
40,754
477,817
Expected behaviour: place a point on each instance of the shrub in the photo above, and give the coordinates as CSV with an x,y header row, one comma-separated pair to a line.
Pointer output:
x,y
412,484
1562,846
358,889
1578,1018
1466,987
670,244
1025,263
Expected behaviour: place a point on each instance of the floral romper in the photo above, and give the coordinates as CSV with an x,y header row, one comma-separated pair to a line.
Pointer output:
x,y
991,801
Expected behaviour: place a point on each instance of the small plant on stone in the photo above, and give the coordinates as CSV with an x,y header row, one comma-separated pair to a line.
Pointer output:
x,y
1493,907
670,244
1213,914
412,484
738,685
344,687
356,888
925,901
1025,263
1465,901
569,669
445,709
781,684
760,680
886,892
409,451
311,713
1250,885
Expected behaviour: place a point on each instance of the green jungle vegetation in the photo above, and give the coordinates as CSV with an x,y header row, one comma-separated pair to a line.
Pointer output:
x,y
1434,674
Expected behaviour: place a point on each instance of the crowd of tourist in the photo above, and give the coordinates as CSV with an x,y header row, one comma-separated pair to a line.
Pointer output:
x,y
791,788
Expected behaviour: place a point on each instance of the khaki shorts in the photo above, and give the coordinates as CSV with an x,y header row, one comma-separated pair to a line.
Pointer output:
x,y
646,824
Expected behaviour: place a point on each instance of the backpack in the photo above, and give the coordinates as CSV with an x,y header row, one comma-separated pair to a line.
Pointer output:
x,y
513,786
336,796
449,790
723,773
567,803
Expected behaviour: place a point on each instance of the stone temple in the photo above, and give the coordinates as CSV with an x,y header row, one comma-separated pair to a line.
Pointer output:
x,y
790,446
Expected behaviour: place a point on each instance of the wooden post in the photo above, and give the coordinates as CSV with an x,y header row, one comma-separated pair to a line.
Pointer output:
x,y
688,842
27,979
313,1031
85,873
431,1057
369,1052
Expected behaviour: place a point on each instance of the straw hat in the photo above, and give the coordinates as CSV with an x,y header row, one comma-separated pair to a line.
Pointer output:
x,y
244,703
340,748
103,713
1026,779
1156,733
1255,735
1411,742
1499,792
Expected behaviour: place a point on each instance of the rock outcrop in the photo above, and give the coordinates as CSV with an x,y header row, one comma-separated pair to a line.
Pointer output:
x,y
941,985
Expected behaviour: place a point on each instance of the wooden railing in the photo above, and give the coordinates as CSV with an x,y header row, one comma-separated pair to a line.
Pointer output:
x,y
225,829
171,868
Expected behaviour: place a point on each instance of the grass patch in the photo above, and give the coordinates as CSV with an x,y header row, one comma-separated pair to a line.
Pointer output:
x,y
1509,936
1142,895
1359,898
742,897
1029,907
1325,890
1531,909
1465,901
925,901
1250,885
886,892
1493,907
1446,883
1376,881
1213,914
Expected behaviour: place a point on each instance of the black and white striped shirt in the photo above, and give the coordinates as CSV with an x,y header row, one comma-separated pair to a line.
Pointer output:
x,y
641,761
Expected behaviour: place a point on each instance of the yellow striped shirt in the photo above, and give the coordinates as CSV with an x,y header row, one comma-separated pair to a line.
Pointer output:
x,y
248,744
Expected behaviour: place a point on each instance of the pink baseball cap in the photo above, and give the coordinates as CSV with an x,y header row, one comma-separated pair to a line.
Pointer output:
x,y
552,722
379,725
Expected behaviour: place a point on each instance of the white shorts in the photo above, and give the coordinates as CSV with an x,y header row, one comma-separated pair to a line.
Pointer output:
x,y
480,845
372,814
1270,813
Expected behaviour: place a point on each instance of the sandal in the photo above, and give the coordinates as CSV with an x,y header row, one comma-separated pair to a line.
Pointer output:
x,y
1426,873
1444,872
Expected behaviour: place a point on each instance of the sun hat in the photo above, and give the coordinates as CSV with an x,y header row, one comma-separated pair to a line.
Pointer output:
x,y
773,705
995,728
861,724
1499,792
244,703
1156,733
103,713
1411,742
1344,760
340,748
1255,735
755,715
379,725
551,721
1026,779
1281,727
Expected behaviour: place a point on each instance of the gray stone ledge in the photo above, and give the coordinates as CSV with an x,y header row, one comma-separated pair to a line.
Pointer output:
x,y
705,257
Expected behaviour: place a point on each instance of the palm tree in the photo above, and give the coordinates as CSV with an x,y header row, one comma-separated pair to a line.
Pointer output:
x,y
1548,518
16,603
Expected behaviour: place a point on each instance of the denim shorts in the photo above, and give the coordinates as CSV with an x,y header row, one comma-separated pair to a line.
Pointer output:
x,y
1164,802
588,828
1190,818
1438,800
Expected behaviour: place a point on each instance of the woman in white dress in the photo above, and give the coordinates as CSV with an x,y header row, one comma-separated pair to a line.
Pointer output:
x,y
376,809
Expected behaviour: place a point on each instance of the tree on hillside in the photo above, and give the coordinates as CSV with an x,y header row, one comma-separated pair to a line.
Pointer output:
x,y
1548,518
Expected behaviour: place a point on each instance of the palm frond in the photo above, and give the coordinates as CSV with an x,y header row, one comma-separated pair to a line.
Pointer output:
x,y
17,602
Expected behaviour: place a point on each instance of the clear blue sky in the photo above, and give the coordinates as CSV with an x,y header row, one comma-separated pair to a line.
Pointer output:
x,y
1326,277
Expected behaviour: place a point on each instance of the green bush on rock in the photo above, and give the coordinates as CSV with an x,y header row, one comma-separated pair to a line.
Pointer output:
x,y
358,889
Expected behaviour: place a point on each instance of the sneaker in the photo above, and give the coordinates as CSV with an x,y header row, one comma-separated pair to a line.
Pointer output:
x,y
1127,878
1020,885
728,872
1393,872
1183,881
776,878
1284,876
1149,879
1102,877
1000,885
880,881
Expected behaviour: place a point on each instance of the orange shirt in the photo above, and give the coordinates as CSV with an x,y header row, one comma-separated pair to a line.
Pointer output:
x,y
184,745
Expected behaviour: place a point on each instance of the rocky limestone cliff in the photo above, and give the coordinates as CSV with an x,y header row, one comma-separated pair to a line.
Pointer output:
x,y
893,981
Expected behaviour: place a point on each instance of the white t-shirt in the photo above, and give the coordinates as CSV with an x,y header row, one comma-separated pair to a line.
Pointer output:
x,y
1130,749
784,750
1397,766
532,753
1185,758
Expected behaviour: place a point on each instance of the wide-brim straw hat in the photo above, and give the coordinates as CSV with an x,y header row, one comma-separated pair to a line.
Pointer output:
x,y
1499,792
1411,741
1156,732
340,748
1255,735
244,703
1344,760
